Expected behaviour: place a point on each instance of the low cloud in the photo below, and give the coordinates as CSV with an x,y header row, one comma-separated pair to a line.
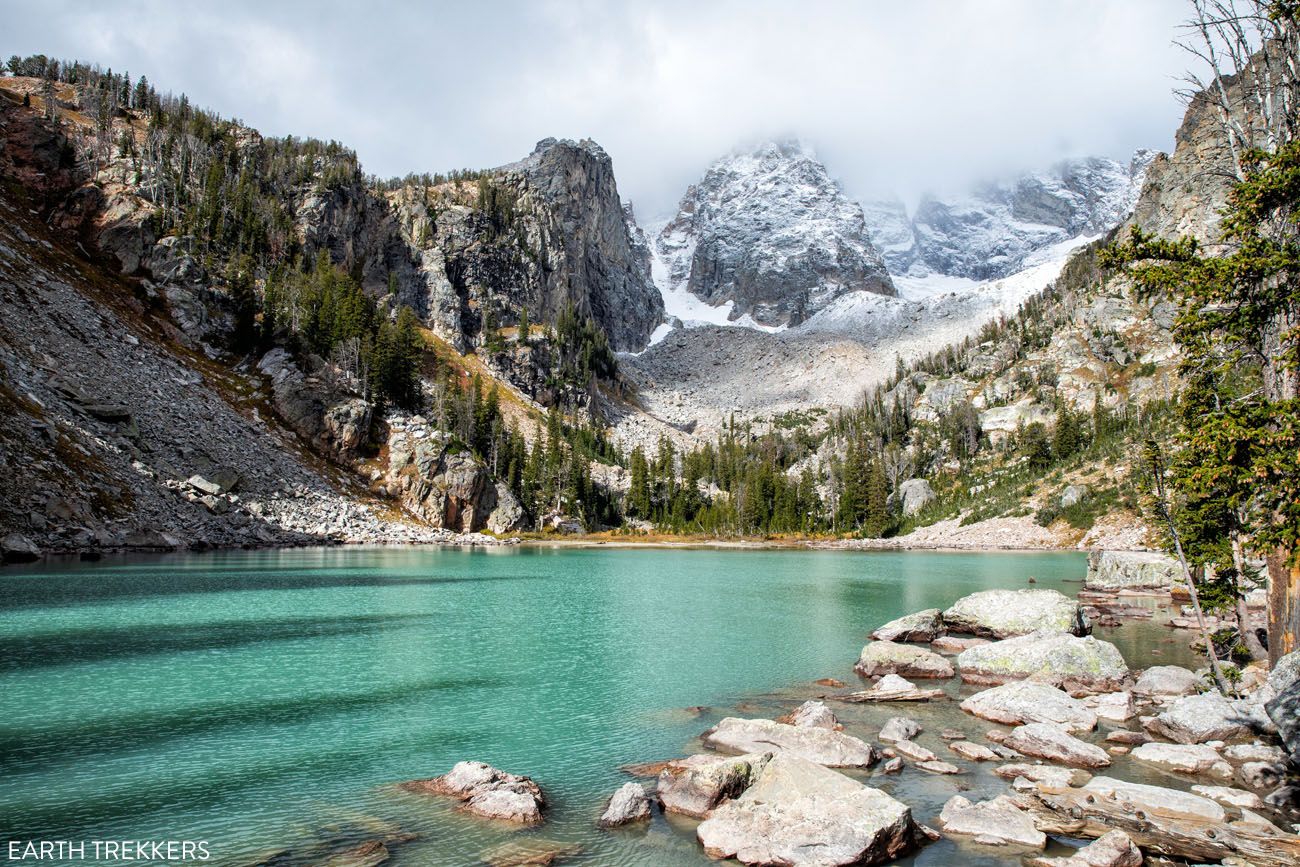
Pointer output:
x,y
904,96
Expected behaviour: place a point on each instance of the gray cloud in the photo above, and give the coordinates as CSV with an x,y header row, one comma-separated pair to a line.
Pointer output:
x,y
906,96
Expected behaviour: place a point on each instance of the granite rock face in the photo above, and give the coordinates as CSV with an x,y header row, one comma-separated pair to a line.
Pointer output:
x,y
1131,570
769,231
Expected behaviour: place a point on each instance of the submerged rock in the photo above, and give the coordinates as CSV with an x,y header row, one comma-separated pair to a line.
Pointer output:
x,y
530,853
695,786
1049,657
1008,613
906,660
629,804
1022,702
488,792
996,822
923,626
802,813
1195,719
1046,741
823,746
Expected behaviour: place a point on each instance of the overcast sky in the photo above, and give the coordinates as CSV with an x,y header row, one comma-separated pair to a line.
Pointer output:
x,y
907,95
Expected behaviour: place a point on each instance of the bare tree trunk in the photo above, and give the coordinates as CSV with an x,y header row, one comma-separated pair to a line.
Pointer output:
x,y
1248,637
1283,605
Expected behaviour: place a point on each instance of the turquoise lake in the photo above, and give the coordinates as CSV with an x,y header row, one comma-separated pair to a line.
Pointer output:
x,y
265,701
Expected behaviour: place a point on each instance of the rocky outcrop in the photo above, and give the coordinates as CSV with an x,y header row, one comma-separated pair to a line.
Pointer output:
x,y
488,792
1131,570
770,232
320,407
923,626
1008,613
886,657
1025,702
1048,657
821,745
629,804
915,495
443,483
801,813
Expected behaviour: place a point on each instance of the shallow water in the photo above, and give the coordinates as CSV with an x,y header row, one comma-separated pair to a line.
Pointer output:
x,y
266,700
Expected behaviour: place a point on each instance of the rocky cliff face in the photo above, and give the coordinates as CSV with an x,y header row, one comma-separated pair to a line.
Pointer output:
x,y
545,233
992,231
771,232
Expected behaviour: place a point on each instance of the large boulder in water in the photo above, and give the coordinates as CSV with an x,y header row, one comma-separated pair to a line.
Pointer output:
x,y
923,626
820,745
1056,658
996,822
488,792
1131,570
1023,702
694,786
1046,741
1008,613
1166,681
906,660
629,804
802,813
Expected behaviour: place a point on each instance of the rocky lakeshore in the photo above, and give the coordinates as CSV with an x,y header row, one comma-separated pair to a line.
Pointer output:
x,y
1053,748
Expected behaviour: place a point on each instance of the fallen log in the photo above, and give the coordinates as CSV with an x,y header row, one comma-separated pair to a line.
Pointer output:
x,y
1159,820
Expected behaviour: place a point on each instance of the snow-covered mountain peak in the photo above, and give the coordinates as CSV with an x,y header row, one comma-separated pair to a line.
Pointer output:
x,y
991,231
768,231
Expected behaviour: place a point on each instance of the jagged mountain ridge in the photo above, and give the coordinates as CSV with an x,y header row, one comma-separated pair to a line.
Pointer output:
x,y
989,233
769,232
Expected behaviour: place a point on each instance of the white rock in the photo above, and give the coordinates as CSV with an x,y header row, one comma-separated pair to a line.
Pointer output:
x,y
802,813
1025,702
823,746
